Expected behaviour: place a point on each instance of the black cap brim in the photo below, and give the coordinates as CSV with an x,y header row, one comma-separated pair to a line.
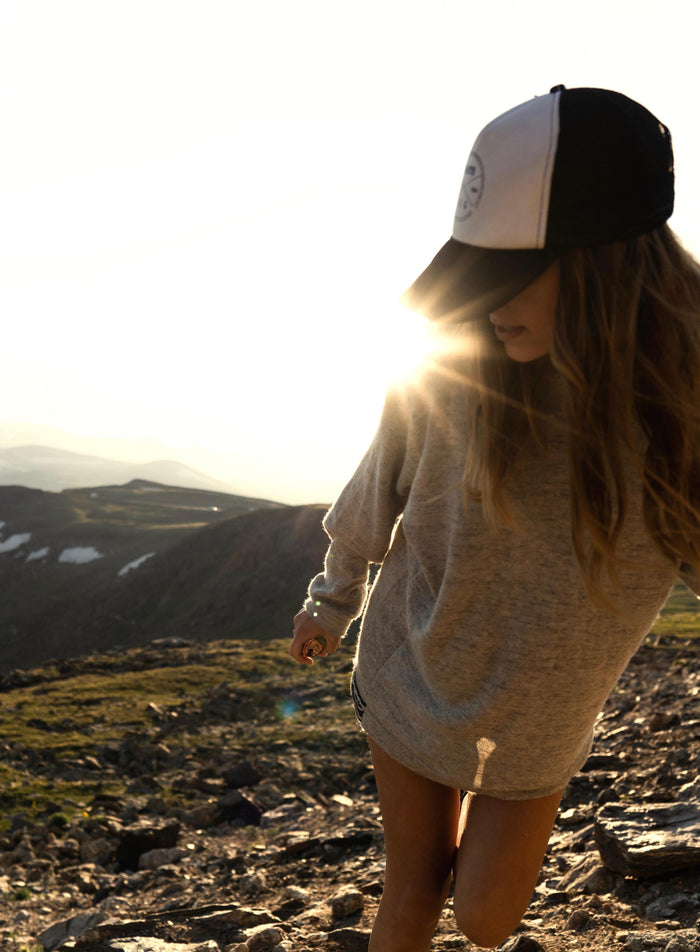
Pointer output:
x,y
464,282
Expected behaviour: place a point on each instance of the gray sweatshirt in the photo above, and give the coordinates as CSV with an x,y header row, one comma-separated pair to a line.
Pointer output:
x,y
482,663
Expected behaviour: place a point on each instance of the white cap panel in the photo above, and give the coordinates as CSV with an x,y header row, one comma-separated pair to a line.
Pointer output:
x,y
504,198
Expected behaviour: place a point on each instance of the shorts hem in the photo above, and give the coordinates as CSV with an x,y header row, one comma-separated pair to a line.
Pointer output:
x,y
358,701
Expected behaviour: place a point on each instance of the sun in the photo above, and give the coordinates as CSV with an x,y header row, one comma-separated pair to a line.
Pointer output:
x,y
375,347
404,343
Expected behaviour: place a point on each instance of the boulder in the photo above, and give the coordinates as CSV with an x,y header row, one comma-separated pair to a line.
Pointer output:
x,y
135,841
233,806
523,943
60,932
264,937
646,840
588,876
161,857
346,901
242,775
348,940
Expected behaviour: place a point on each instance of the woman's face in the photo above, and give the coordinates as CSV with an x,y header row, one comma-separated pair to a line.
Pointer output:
x,y
526,323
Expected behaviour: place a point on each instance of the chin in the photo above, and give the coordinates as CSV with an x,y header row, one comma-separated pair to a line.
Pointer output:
x,y
526,355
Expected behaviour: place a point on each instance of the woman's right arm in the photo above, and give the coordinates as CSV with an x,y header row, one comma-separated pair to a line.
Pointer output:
x,y
360,525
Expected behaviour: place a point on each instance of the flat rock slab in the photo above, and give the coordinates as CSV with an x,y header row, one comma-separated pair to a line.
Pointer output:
x,y
649,839
149,944
189,929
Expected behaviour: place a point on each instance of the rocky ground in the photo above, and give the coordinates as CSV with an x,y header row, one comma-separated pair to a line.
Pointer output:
x,y
226,804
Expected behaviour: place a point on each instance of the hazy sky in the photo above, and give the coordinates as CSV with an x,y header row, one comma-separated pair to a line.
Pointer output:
x,y
208,209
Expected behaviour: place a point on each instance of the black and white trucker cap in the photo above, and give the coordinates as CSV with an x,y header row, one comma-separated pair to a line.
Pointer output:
x,y
574,168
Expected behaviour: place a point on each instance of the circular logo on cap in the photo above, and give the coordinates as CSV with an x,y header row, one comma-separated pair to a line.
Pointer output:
x,y
472,188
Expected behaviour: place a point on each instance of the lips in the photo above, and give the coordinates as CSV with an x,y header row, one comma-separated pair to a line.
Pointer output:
x,y
505,332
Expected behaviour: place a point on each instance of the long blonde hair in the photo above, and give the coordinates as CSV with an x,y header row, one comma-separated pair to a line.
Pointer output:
x,y
627,345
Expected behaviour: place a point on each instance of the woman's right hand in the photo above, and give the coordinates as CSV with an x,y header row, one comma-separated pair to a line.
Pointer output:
x,y
305,628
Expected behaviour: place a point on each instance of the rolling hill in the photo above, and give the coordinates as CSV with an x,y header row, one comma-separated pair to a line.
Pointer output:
x,y
91,569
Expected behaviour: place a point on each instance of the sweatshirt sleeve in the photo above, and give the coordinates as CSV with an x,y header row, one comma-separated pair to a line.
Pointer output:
x,y
337,595
361,521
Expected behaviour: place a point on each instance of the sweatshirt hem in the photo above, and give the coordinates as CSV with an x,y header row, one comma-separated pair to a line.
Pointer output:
x,y
392,746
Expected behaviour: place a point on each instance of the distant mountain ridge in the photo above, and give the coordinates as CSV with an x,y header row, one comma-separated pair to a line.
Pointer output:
x,y
52,469
88,569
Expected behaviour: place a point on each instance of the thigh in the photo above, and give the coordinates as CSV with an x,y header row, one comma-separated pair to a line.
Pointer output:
x,y
421,821
501,847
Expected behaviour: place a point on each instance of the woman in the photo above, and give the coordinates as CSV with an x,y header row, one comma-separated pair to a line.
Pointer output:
x,y
532,499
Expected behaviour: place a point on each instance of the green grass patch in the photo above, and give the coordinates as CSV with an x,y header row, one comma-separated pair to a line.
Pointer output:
x,y
39,795
224,693
21,894
65,715
677,625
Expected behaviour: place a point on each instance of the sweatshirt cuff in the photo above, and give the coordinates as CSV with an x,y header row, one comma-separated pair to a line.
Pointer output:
x,y
330,619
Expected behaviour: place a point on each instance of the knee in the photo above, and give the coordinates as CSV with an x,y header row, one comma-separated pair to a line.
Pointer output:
x,y
413,904
485,924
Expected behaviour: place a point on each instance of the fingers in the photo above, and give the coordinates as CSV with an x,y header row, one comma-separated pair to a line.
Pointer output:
x,y
315,647
310,640
296,649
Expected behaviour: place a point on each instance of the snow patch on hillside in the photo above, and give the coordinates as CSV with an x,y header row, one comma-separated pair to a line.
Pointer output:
x,y
15,541
135,564
37,554
80,554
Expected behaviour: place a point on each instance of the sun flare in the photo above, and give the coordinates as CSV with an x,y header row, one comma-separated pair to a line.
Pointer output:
x,y
392,348
405,343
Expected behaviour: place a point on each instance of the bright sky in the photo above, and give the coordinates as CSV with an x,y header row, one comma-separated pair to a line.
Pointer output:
x,y
208,209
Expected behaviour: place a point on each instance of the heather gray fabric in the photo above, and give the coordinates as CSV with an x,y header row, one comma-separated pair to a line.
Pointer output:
x,y
482,662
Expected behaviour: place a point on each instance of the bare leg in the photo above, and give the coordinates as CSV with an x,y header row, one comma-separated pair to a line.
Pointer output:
x,y
501,847
496,864
421,822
